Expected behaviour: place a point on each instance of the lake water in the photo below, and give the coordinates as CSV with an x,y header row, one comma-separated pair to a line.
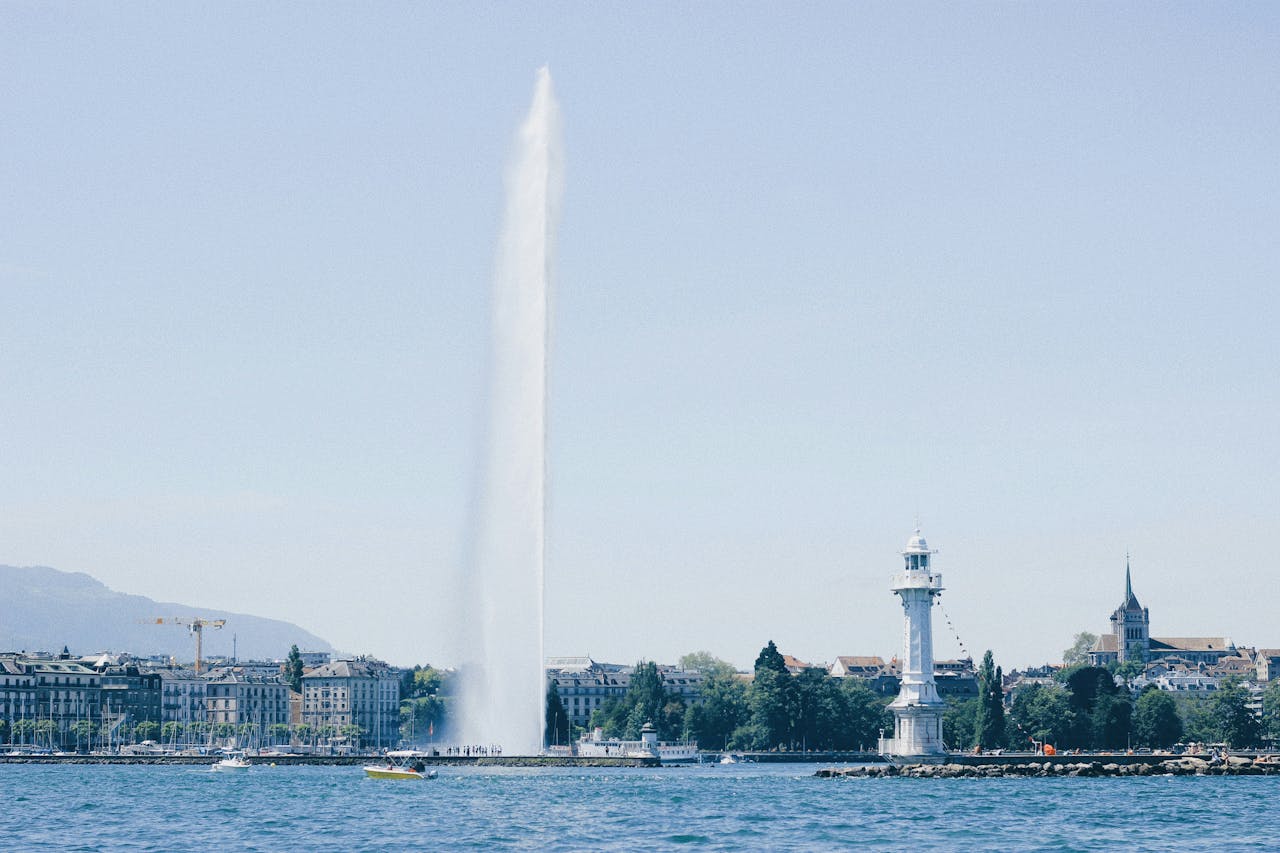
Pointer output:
x,y
762,807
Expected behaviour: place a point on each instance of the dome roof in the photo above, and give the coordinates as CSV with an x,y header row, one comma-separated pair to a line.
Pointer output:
x,y
917,544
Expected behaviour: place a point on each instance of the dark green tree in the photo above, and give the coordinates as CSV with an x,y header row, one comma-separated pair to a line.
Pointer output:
x,y
1041,713
959,723
770,658
772,698
862,716
1271,713
721,712
1096,727
556,729
425,718
645,701
293,669
815,709
1234,723
83,730
1111,721
146,730
989,723
1156,721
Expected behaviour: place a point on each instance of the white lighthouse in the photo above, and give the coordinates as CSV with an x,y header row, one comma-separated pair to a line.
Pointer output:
x,y
917,712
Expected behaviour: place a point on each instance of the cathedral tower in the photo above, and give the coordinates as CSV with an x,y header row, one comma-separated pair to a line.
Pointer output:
x,y
1131,625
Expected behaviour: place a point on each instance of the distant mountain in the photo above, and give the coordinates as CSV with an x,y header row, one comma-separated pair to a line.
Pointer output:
x,y
43,609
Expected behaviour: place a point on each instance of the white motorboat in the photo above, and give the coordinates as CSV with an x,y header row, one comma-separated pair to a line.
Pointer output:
x,y
233,761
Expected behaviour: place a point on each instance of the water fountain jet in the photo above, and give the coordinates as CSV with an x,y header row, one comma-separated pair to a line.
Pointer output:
x,y
504,687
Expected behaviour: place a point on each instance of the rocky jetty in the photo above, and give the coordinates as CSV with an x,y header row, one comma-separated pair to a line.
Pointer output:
x,y
1180,766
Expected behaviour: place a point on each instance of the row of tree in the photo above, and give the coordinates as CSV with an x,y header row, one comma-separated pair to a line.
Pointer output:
x,y
1084,708
1087,709
772,710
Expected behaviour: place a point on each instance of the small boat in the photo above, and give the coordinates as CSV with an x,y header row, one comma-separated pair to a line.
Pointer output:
x,y
728,759
405,764
233,761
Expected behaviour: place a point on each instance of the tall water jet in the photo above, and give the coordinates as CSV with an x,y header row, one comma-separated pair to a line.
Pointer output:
x,y
504,690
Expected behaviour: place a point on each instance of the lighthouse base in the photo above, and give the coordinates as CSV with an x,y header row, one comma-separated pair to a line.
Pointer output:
x,y
917,733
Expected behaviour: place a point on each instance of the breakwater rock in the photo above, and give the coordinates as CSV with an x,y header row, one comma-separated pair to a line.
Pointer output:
x,y
1181,766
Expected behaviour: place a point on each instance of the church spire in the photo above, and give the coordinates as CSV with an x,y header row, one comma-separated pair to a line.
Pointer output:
x,y
1130,600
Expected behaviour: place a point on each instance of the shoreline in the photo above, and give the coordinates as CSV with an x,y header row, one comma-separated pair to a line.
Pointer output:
x,y
336,760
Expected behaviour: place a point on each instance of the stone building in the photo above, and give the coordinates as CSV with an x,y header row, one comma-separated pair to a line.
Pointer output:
x,y
237,698
17,693
1267,664
585,686
361,692
182,697
130,695
37,689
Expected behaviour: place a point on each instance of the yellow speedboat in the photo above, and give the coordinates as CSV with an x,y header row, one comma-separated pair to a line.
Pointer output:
x,y
400,765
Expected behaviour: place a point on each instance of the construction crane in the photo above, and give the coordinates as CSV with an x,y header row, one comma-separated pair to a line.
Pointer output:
x,y
196,626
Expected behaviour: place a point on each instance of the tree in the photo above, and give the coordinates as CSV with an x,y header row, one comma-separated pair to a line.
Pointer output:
x,y
422,681
1271,712
706,663
352,733
770,658
83,730
816,706
279,733
1111,721
1099,722
293,669
1129,670
171,731
772,698
959,723
1041,713
1234,723
989,722
721,712
45,731
556,728
1156,722
146,730
22,730
646,701
1078,654
862,715
303,732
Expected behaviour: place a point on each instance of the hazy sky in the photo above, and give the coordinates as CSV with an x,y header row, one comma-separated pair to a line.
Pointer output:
x,y
823,268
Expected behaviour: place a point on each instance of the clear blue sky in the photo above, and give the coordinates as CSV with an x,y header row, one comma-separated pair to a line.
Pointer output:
x,y
825,267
